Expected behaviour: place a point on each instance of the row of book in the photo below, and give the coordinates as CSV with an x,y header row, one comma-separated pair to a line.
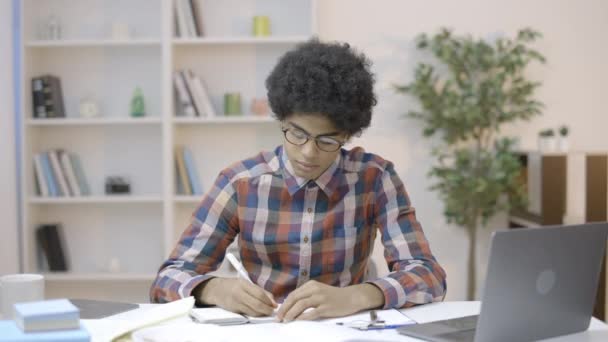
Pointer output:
x,y
187,180
188,18
191,95
59,173
47,97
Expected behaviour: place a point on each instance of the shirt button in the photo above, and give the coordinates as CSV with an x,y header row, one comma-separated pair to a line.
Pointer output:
x,y
309,210
306,239
304,273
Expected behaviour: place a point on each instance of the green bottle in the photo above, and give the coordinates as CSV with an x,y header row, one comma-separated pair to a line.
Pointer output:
x,y
138,108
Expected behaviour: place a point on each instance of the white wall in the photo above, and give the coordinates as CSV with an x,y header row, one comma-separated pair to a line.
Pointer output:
x,y
8,203
574,86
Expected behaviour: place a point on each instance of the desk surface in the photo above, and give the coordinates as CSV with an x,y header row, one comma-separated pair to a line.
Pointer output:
x,y
598,330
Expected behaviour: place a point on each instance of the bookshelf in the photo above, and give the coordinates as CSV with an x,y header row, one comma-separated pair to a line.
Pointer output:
x,y
140,229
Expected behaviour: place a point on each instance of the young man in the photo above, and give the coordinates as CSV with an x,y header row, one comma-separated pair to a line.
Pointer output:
x,y
306,215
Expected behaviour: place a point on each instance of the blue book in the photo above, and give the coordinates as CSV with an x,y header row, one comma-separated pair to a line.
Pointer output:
x,y
11,332
48,174
55,314
195,184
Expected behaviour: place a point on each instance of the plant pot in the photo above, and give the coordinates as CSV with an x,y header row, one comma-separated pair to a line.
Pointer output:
x,y
563,144
547,144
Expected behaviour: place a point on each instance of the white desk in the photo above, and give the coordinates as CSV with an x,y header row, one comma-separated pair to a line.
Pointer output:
x,y
308,331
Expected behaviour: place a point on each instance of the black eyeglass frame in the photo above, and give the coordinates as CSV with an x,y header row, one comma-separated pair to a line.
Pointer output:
x,y
316,138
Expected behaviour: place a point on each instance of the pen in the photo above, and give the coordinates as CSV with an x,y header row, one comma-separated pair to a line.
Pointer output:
x,y
238,266
385,326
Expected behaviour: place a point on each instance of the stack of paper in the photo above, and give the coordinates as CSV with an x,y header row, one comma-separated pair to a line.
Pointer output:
x,y
9,331
58,314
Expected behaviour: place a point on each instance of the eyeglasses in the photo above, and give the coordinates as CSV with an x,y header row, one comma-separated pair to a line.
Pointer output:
x,y
299,138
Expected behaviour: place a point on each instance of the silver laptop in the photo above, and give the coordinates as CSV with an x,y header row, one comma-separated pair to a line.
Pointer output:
x,y
540,283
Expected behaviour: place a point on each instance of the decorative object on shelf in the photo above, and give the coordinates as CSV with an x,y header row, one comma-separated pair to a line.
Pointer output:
x,y
260,107
232,104
117,185
261,26
546,140
563,143
470,90
51,29
114,265
88,108
138,108
121,31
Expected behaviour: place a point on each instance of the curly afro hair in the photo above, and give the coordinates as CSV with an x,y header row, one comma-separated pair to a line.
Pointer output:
x,y
327,78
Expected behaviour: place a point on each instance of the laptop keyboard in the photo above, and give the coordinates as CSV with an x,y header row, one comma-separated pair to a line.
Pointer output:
x,y
461,323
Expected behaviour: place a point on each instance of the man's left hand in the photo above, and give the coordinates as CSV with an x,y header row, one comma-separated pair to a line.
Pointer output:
x,y
325,301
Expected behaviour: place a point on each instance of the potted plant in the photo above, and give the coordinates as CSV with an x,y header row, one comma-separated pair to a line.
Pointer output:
x,y
466,93
546,140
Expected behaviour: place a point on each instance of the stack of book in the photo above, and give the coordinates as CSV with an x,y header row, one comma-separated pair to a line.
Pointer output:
x,y
59,173
51,248
49,320
47,97
188,18
192,97
187,175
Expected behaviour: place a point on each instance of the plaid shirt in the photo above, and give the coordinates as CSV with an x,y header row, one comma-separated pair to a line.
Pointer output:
x,y
291,230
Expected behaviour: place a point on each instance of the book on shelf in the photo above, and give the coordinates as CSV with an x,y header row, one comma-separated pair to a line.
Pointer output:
x,y
192,172
51,244
59,173
181,171
47,97
47,315
192,95
188,18
183,99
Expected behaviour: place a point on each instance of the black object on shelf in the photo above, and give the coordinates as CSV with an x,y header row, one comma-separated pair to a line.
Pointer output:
x,y
117,185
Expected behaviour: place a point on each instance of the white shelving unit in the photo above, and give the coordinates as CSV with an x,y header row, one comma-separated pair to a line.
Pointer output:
x,y
140,230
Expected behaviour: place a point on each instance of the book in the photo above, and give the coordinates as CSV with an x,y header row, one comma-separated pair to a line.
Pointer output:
x,y
180,16
183,101
197,11
195,183
11,332
196,99
204,94
181,167
43,188
58,172
68,171
190,18
51,242
53,96
38,98
56,314
80,175
48,175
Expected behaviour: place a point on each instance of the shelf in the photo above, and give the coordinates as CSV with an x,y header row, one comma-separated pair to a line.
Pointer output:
x,y
101,121
95,199
92,43
187,199
224,120
70,276
240,40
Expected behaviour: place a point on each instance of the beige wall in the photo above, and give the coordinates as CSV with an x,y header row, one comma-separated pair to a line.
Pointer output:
x,y
8,207
574,86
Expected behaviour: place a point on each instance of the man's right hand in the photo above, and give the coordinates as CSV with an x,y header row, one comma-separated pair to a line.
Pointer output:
x,y
237,295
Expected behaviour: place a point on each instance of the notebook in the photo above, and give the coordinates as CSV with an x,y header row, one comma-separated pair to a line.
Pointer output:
x,y
221,316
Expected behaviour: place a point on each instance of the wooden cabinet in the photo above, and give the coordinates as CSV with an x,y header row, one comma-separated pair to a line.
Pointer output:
x,y
566,188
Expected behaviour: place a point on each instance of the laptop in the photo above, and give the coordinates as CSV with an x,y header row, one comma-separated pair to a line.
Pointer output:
x,y
540,283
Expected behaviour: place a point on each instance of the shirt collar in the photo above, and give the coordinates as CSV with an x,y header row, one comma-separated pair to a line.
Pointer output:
x,y
328,181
